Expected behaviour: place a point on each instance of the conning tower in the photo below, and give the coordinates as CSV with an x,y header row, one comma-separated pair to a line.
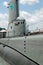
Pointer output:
x,y
16,27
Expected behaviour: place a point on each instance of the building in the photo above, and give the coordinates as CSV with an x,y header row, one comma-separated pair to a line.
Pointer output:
x,y
2,33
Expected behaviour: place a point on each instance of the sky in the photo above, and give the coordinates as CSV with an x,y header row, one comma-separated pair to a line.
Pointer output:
x,y
30,10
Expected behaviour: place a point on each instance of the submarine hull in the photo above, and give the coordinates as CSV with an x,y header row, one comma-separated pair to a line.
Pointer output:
x,y
13,57
31,46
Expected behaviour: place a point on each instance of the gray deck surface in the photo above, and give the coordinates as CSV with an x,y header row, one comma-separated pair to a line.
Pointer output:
x,y
13,57
34,46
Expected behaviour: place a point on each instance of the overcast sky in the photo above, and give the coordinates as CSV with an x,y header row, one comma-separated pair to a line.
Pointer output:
x,y
31,10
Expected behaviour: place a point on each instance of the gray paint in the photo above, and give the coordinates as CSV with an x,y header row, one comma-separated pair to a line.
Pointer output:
x,y
13,57
3,62
13,10
16,28
33,44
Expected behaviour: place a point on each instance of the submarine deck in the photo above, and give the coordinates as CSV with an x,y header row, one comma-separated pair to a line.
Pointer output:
x,y
31,46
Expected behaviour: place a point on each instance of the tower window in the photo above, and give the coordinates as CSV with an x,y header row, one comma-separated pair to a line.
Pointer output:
x,y
11,27
23,22
18,22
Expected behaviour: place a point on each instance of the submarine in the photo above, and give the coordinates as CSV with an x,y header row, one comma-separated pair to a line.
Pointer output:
x,y
16,48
